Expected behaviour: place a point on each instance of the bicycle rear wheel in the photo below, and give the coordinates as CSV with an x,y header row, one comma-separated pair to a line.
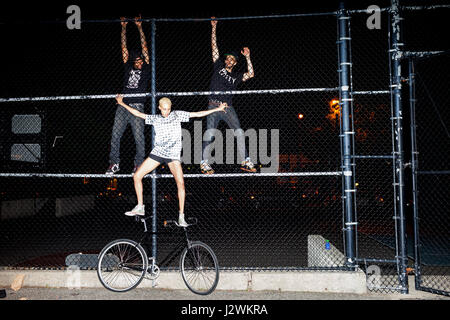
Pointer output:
x,y
199,268
122,265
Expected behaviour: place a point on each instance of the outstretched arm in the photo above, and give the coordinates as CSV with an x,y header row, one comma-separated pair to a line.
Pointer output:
x,y
200,114
143,40
214,48
123,40
250,73
135,112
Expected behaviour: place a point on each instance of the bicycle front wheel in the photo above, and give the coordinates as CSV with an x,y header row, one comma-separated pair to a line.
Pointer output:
x,y
199,268
122,265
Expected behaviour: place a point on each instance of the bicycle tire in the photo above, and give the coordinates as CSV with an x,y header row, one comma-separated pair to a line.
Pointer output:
x,y
108,259
193,270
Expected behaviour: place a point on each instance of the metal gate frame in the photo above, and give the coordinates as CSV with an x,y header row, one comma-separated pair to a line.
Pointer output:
x,y
397,57
397,156
412,58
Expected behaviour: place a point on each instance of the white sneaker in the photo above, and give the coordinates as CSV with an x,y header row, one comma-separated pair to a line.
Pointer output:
x,y
137,211
181,221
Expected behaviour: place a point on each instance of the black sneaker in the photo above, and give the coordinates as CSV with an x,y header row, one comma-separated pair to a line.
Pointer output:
x,y
113,168
206,168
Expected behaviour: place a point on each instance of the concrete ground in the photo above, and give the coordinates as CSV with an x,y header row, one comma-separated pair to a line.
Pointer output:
x,y
274,286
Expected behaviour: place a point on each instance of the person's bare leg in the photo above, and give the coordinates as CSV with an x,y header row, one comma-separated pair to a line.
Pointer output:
x,y
146,167
177,171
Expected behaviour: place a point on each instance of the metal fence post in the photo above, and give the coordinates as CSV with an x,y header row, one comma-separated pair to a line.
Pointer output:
x,y
347,134
414,167
154,196
396,57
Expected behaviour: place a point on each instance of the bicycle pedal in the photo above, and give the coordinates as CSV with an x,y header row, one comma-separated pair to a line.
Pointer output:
x,y
153,274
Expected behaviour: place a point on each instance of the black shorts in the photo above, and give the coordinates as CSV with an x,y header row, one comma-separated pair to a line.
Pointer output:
x,y
161,159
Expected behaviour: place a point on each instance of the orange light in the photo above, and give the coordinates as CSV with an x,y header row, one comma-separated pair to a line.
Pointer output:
x,y
333,103
113,185
300,116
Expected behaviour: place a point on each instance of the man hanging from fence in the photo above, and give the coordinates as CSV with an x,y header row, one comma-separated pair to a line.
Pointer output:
x,y
137,76
224,78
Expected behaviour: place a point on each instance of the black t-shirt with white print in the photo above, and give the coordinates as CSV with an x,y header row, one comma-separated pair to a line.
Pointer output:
x,y
135,81
222,80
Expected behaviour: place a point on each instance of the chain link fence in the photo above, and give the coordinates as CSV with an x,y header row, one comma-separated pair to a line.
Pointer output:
x,y
432,146
67,88
373,154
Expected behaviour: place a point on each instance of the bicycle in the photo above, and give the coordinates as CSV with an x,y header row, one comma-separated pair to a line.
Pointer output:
x,y
124,263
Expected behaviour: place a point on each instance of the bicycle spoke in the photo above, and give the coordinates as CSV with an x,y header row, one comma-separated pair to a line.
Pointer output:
x,y
122,266
199,269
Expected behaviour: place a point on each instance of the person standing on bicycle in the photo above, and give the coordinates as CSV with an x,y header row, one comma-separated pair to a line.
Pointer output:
x,y
167,148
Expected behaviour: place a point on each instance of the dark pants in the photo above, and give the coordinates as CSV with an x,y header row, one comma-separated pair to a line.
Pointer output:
x,y
121,121
232,120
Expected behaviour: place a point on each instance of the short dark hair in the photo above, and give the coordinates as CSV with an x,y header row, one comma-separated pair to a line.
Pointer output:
x,y
233,53
135,54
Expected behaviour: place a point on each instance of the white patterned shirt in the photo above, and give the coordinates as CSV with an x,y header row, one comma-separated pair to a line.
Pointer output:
x,y
167,143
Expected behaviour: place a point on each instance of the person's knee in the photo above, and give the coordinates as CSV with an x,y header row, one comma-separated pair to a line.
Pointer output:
x,y
239,132
137,177
209,136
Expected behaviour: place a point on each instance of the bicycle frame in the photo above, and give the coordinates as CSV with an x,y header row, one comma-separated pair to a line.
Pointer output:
x,y
190,261
171,255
